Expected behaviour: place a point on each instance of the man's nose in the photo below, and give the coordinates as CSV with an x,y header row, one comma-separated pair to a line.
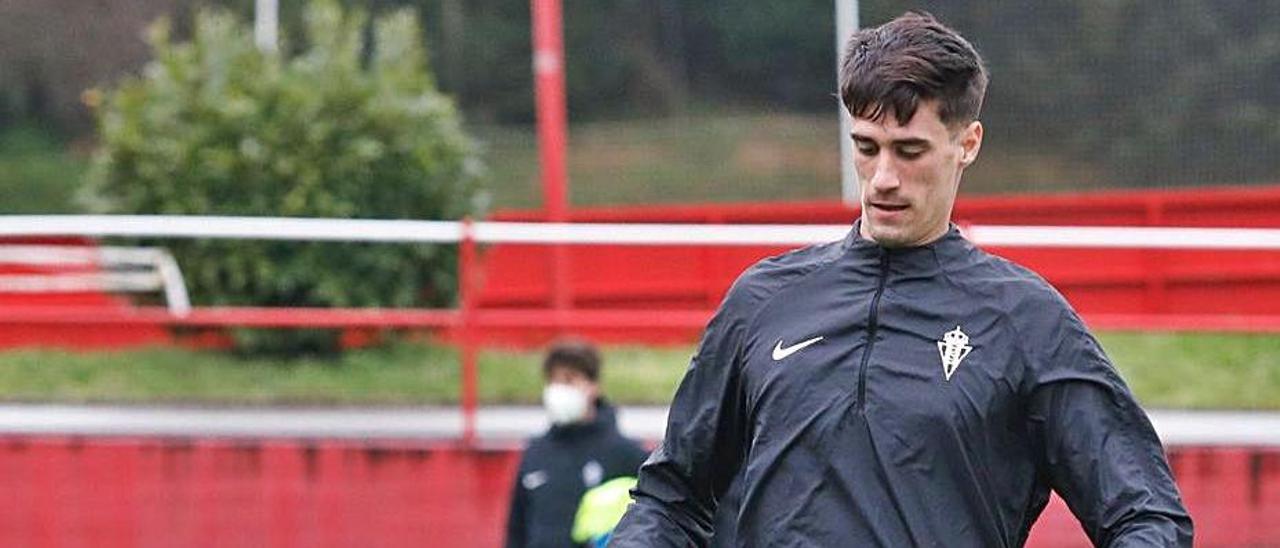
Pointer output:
x,y
886,175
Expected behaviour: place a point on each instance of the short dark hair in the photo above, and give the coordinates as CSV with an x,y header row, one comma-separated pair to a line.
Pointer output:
x,y
576,354
893,67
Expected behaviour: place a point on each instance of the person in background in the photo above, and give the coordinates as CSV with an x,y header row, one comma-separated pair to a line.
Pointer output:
x,y
582,449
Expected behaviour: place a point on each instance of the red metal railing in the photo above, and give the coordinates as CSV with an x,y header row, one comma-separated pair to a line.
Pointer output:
x,y
1116,288
665,293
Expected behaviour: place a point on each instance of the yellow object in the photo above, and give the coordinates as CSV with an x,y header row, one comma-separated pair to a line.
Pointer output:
x,y
601,508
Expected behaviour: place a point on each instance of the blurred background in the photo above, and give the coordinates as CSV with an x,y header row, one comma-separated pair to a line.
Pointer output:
x,y
294,407
735,95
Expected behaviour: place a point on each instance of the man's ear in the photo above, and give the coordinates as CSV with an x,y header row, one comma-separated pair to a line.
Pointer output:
x,y
970,142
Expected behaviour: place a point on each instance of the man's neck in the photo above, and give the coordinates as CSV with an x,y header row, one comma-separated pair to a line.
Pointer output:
x,y
933,237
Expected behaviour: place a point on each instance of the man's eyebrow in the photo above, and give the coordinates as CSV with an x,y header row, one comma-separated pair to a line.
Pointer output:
x,y
909,141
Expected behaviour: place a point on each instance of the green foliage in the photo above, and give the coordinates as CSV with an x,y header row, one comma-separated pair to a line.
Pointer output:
x,y
216,127
37,175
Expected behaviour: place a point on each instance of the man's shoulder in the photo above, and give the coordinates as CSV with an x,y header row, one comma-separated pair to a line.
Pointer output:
x,y
537,443
626,447
1008,282
766,277
547,441
542,448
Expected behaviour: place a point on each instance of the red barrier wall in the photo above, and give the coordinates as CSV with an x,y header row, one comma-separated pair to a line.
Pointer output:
x,y
152,492
1151,287
70,492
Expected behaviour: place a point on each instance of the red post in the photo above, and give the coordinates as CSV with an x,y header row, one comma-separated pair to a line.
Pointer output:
x,y
1154,262
552,112
553,133
467,304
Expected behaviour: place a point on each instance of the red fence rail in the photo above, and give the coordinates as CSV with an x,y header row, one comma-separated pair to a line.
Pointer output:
x,y
662,293
138,492
1126,288
510,283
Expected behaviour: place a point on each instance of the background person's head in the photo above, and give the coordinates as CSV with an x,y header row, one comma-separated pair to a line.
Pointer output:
x,y
571,373
914,88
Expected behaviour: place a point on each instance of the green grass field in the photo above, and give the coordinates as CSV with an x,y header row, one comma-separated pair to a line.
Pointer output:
x,y
1183,371
699,158
36,174
721,156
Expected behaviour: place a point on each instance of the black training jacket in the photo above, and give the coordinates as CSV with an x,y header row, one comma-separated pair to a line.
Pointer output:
x,y
927,396
557,468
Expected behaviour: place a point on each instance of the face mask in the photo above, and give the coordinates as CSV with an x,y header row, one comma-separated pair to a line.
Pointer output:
x,y
564,404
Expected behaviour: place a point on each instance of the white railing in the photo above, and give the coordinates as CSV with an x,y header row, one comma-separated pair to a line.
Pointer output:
x,y
127,269
367,230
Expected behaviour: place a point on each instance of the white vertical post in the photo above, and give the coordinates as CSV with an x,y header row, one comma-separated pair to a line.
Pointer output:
x,y
846,25
266,23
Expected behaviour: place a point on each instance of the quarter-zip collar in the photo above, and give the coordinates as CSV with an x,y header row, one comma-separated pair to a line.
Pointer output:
x,y
924,260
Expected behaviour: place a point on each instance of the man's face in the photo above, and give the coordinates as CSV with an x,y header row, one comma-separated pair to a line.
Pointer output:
x,y
572,377
909,174
569,396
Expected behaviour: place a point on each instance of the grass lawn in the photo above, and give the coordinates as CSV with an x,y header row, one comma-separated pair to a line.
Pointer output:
x,y
712,157
405,374
36,174
1199,370
1184,371
726,156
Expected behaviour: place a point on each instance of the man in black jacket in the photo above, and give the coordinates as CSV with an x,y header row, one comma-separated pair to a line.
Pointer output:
x,y
902,387
582,449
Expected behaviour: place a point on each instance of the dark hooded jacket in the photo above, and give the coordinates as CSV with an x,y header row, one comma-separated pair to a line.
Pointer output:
x,y
557,468
926,396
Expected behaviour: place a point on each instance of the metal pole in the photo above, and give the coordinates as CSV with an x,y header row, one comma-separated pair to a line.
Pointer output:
x,y
846,25
552,112
467,296
266,23
552,131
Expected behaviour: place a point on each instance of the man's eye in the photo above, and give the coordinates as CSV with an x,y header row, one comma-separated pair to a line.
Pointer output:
x,y
866,148
910,152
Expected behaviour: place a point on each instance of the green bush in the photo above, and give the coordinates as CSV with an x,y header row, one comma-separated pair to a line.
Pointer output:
x,y
216,127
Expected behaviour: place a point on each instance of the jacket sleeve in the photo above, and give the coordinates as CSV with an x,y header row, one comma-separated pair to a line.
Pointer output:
x,y
1098,449
679,485
516,534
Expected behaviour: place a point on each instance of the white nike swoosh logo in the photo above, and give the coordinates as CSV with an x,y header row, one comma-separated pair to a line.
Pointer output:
x,y
534,480
779,352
